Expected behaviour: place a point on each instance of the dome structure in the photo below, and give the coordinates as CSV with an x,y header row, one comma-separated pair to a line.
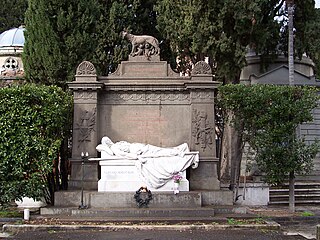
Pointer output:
x,y
11,48
12,38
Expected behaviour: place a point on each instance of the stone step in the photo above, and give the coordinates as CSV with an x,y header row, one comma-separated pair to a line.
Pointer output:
x,y
305,193
297,184
130,213
192,199
297,202
296,196
296,190
139,215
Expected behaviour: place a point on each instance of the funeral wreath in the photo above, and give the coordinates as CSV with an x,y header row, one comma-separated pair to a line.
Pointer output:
x,y
143,196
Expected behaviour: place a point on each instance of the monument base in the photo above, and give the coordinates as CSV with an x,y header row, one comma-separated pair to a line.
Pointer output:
x,y
105,200
121,175
90,177
130,186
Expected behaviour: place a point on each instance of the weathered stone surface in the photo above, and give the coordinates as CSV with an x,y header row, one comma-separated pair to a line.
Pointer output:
x,y
142,69
90,177
146,102
107,200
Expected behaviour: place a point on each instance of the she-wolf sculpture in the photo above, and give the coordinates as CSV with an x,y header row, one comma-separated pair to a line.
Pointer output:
x,y
142,44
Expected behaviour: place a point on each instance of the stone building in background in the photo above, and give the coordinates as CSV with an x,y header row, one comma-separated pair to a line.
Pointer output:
x,y
251,188
11,48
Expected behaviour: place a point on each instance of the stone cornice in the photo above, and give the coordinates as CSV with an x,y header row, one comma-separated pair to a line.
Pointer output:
x,y
77,86
171,84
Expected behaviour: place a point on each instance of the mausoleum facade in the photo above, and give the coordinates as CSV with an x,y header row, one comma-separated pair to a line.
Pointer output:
x,y
144,101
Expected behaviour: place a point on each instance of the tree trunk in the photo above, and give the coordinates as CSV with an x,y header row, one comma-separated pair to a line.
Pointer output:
x,y
230,160
291,83
290,43
291,192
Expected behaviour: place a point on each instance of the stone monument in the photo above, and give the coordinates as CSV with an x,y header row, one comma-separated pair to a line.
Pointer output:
x,y
144,101
126,166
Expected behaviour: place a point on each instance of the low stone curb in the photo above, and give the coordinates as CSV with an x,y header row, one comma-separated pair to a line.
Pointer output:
x,y
297,219
4,235
13,228
10,219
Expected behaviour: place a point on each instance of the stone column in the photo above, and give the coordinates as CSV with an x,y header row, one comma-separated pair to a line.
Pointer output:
x,y
202,93
85,128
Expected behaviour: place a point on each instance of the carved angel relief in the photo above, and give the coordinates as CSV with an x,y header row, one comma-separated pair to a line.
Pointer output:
x,y
86,125
202,130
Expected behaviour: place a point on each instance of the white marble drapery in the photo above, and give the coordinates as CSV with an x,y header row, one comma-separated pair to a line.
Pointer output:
x,y
156,166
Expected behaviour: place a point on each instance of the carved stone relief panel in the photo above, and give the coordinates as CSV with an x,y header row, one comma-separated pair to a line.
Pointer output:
x,y
202,129
85,125
147,97
202,95
85,95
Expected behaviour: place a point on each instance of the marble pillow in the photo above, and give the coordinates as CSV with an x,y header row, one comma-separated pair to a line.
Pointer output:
x,y
104,148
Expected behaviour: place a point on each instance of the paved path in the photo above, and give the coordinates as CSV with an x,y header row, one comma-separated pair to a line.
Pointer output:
x,y
293,223
157,235
292,226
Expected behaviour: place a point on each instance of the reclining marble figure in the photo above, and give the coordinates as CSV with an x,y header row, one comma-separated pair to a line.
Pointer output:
x,y
155,165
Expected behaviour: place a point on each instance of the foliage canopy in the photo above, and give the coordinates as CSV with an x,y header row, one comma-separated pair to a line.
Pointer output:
x,y
224,29
62,34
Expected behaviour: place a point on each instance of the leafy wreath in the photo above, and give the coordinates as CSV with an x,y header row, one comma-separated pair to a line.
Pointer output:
x,y
143,202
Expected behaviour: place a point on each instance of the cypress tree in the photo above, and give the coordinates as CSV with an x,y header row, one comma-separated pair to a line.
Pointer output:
x,y
111,49
59,35
136,16
12,13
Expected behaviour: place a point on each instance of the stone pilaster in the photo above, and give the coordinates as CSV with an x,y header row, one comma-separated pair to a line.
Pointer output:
x,y
85,128
202,94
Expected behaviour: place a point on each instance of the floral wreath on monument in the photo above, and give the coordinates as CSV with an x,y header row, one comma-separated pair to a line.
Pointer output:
x,y
143,202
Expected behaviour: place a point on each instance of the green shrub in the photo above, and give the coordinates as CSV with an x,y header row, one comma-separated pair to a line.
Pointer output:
x,y
267,117
33,122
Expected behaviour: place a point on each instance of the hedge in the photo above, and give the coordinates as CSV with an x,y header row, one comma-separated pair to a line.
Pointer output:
x,y
34,120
